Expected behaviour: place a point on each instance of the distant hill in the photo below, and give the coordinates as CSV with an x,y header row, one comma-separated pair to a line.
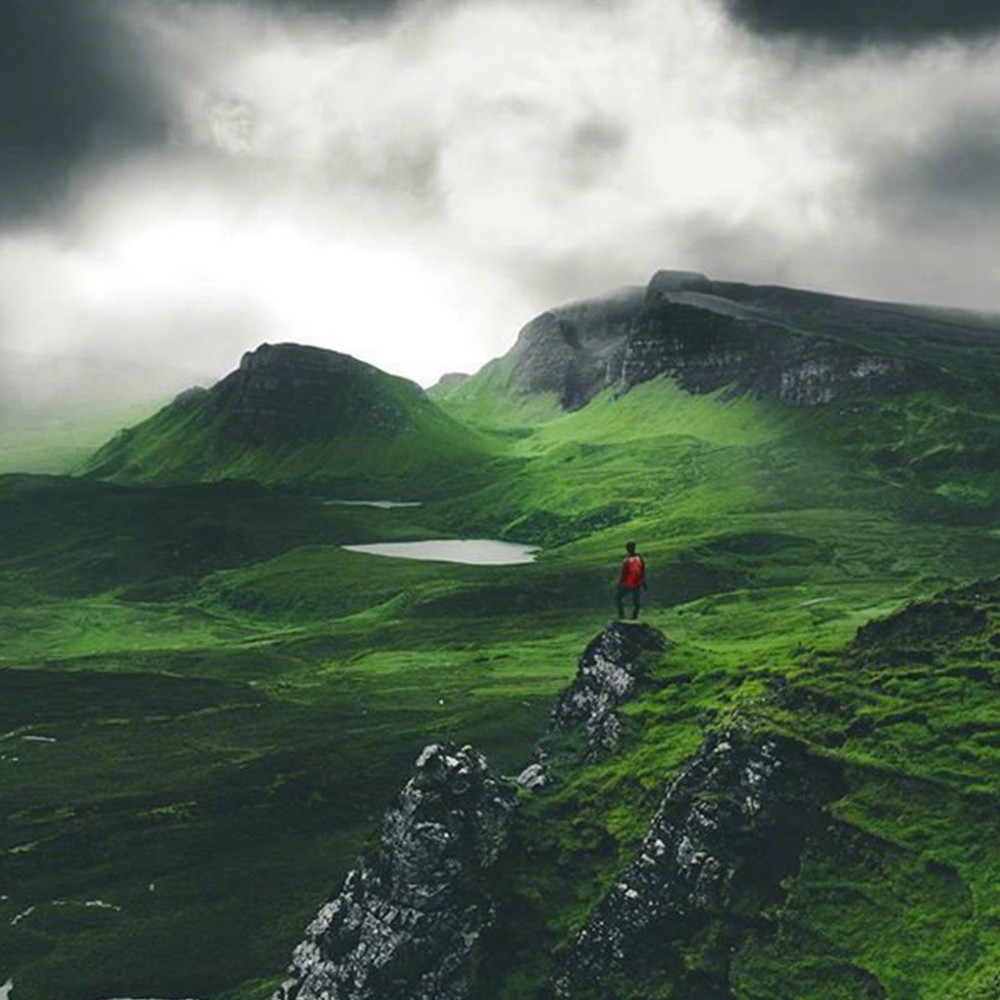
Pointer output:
x,y
293,414
806,348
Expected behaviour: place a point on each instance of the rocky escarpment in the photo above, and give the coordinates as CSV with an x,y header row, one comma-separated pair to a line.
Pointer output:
x,y
730,827
606,676
570,350
804,348
408,922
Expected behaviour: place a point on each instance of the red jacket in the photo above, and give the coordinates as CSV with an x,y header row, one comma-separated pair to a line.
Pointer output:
x,y
633,572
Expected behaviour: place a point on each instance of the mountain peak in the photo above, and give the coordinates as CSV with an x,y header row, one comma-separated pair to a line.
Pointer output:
x,y
678,281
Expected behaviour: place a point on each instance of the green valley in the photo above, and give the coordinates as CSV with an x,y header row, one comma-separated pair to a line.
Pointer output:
x,y
207,703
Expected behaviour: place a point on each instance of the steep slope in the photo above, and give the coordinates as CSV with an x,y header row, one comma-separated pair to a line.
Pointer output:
x,y
805,348
293,414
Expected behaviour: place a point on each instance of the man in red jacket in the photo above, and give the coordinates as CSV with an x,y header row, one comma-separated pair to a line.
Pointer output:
x,y
631,581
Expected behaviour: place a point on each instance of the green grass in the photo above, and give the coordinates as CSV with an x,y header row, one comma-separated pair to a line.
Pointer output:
x,y
235,698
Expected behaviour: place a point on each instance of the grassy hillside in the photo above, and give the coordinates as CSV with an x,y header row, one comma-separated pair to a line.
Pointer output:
x,y
233,698
296,415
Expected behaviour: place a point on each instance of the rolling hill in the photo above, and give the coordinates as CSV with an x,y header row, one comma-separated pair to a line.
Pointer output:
x,y
294,414
208,703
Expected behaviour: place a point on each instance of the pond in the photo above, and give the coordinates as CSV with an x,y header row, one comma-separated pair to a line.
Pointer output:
x,y
474,551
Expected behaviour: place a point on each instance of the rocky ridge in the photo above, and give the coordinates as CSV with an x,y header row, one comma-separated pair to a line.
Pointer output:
x,y
804,348
417,919
607,675
408,922
730,826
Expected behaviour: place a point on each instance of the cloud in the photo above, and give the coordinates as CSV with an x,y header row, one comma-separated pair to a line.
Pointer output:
x,y
857,22
74,88
411,187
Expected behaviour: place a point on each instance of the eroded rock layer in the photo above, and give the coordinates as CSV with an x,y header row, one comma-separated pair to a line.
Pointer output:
x,y
606,676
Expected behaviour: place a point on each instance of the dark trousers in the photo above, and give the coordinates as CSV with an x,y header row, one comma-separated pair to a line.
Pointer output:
x,y
634,592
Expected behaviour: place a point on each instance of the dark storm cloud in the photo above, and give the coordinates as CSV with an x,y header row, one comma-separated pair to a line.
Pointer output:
x,y
78,87
951,181
852,22
73,86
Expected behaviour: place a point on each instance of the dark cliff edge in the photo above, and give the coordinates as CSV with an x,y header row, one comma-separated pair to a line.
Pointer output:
x,y
805,348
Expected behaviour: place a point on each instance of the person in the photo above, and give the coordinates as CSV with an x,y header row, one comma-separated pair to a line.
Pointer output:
x,y
632,580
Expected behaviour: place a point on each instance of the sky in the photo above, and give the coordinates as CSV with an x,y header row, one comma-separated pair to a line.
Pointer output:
x,y
411,182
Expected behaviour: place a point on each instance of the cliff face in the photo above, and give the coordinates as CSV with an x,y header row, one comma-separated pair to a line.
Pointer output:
x,y
408,923
804,348
570,350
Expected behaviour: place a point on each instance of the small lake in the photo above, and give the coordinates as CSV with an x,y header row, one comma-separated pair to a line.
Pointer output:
x,y
474,551
381,504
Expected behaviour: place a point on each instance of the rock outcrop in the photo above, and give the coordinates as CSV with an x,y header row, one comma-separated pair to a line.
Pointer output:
x,y
731,825
606,676
570,350
408,922
802,347
290,393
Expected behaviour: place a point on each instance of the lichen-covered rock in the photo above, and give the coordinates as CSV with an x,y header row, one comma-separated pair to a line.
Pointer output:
x,y
606,676
408,921
730,825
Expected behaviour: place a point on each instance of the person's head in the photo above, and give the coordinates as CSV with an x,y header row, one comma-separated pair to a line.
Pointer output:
x,y
630,548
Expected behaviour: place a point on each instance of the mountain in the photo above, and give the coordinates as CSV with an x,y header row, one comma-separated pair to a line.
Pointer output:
x,y
293,414
782,784
805,348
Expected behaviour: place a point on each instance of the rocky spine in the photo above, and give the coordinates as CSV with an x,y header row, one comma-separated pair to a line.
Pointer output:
x,y
730,827
607,675
408,922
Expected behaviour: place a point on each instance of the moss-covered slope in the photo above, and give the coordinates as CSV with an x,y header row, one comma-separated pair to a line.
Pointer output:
x,y
292,414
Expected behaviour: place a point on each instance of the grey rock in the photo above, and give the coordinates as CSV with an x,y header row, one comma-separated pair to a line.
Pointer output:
x,y
805,348
408,922
606,676
736,816
533,777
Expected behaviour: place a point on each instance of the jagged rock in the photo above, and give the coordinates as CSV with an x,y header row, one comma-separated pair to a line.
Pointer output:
x,y
533,777
606,676
407,923
733,822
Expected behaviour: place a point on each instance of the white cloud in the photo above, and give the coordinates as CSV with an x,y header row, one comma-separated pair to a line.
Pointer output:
x,y
413,190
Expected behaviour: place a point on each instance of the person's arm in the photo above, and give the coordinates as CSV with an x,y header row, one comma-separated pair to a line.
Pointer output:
x,y
642,564
621,575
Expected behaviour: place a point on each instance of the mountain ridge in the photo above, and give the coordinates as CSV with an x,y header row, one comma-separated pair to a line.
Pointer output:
x,y
805,347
